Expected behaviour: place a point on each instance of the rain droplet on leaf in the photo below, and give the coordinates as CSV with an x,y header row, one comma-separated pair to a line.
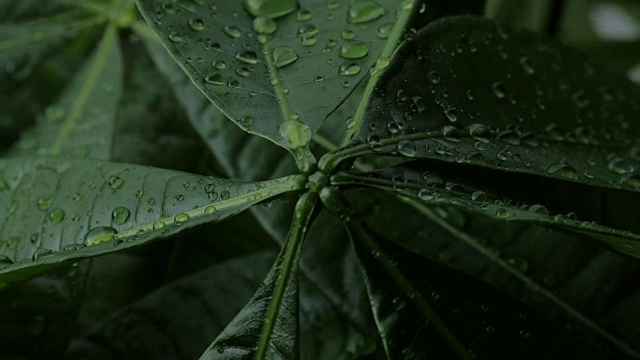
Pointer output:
x,y
120,215
214,78
196,24
247,56
115,182
56,216
362,11
232,31
99,234
563,170
263,25
349,69
284,55
354,50
270,8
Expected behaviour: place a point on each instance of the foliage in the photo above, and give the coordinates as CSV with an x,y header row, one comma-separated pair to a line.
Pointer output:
x,y
314,179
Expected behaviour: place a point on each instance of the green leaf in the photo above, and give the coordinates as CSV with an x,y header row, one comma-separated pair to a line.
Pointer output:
x,y
531,14
259,86
178,320
22,44
438,189
80,123
62,210
268,326
486,321
468,91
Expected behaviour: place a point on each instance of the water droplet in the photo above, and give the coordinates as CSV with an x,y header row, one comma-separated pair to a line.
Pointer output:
x,y
41,254
348,35
214,78
540,209
270,8
451,115
263,25
354,50
224,195
158,225
563,170
434,77
115,182
307,30
232,31
480,196
210,209
384,30
284,55
498,90
362,11
99,234
247,56
349,69
5,261
120,215
44,203
181,219
526,65
303,15
407,148
620,166
196,24
246,120
297,133
503,213
175,37
509,137
56,216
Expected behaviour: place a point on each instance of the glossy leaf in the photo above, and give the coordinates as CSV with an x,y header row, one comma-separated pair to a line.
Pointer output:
x,y
259,85
80,123
432,189
485,320
22,44
569,278
155,328
59,210
268,326
516,108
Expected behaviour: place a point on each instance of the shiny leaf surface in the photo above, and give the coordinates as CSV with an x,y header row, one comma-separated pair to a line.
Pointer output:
x,y
72,209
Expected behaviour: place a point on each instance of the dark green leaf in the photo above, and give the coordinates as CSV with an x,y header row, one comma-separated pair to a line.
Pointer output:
x,y
438,189
530,14
259,86
22,44
59,210
471,92
80,123
268,326
177,321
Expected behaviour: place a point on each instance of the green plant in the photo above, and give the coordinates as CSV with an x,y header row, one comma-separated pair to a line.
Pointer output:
x,y
471,185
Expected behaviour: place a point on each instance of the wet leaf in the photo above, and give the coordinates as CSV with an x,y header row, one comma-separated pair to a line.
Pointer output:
x,y
23,44
155,328
516,108
61,210
80,123
253,69
268,326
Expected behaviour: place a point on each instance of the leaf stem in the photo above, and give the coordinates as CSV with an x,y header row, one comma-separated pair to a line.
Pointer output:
x,y
302,216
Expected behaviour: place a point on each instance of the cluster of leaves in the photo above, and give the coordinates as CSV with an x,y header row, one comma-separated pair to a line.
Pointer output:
x,y
418,183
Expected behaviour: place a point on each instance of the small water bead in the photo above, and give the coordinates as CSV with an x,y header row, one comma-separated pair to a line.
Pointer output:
x,y
480,196
562,170
499,90
41,254
434,77
56,216
36,239
175,37
44,203
169,8
120,215
246,120
362,11
527,65
284,55
384,30
225,194
354,50
209,209
244,70
214,78
196,24
503,213
303,15
270,8
619,165
100,234
5,261
451,115
181,219
263,25
406,148
509,137
349,69
115,182
308,40
348,35
247,56
158,225
307,30
232,31
219,64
